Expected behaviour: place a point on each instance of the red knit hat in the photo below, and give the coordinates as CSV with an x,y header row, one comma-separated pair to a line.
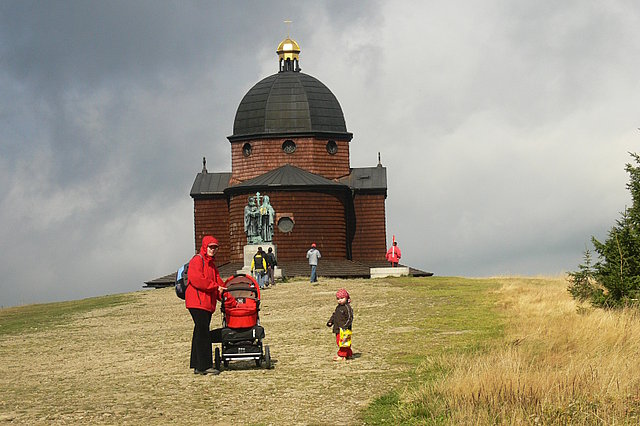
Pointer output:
x,y
342,293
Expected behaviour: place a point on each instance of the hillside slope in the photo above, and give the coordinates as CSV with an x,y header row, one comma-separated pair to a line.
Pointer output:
x,y
128,363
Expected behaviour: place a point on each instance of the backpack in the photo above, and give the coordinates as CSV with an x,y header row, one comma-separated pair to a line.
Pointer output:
x,y
257,262
182,280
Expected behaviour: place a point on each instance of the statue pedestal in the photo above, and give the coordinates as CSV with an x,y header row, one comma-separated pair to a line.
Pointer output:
x,y
250,250
398,271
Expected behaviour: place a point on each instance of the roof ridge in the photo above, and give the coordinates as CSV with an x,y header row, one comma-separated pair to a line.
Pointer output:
x,y
288,175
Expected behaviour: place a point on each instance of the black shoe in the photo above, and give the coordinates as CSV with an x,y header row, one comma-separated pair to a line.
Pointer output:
x,y
211,371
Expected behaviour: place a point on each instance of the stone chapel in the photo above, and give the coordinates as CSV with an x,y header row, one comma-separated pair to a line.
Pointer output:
x,y
290,142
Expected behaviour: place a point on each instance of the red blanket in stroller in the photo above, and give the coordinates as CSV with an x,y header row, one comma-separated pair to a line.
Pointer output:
x,y
241,301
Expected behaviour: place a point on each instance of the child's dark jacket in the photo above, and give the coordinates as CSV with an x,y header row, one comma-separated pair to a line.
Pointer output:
x,y
342,318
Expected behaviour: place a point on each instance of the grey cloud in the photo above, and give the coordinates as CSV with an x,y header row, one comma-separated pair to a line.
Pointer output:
x,y
504,126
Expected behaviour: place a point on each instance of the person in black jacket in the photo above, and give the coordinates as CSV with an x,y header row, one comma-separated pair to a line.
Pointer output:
x,y
342,320
271,264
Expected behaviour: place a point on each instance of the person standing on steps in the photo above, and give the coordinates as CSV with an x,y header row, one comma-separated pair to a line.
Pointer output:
x,y
203,291
394,254
313,255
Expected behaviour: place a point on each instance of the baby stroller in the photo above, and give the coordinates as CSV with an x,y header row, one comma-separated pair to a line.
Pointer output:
x,y
241,334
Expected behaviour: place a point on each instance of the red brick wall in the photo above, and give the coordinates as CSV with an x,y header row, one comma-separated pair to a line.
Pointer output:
x,y
310,154
318,218
370,241
211,217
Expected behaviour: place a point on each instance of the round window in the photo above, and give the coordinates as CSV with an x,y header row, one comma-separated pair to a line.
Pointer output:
x,y
289,146
285,224
332,147
246,149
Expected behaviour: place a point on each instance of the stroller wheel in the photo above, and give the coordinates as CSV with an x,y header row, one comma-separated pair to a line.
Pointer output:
x,y
258,362
267,358
226,362
217,359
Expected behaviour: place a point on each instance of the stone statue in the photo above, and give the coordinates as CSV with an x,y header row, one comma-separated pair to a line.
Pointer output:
x,y
267,218
252,222
259,220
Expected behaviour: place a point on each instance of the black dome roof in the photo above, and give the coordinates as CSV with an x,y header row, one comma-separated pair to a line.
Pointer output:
x,y
289,103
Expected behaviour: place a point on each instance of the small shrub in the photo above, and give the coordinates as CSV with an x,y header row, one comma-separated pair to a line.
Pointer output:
x,y
582,282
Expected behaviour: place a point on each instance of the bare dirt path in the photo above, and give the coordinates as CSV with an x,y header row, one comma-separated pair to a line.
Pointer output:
x,y
129,364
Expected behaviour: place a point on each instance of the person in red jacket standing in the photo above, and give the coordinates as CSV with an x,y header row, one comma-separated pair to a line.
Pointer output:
x,y
393,255
203,292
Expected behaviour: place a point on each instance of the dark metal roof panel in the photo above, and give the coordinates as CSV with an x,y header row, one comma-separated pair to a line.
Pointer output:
x,y
288,176
210,183
289,102
367,178
363,178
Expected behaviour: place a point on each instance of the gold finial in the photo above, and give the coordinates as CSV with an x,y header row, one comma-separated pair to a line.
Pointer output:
x,y
288,49
288,52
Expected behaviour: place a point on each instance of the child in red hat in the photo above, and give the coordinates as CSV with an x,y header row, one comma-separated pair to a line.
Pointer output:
x,y
341,321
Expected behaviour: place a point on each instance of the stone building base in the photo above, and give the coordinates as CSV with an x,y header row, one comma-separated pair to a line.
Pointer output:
x,y
250,250
399,271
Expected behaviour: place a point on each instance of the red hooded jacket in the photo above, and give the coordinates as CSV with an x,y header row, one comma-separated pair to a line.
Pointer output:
x,y
393,254
204,279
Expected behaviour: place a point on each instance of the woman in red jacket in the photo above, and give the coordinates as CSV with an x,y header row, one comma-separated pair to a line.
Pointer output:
x,y
201,296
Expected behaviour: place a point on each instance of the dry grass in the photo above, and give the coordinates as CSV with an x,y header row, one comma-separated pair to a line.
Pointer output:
x,y
559,363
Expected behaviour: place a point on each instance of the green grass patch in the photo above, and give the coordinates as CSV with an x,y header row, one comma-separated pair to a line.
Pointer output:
x,y
31,318
455,315
382,410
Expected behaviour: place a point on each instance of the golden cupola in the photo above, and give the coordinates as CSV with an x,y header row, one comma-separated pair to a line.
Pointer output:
x,y
288,53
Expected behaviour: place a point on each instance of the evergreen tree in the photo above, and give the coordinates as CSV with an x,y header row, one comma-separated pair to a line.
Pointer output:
x,y
614,280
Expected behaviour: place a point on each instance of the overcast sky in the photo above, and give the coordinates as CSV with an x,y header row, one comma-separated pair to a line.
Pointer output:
x,y
504,126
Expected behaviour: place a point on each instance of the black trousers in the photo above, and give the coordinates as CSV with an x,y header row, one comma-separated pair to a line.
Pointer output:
x,y
201,353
